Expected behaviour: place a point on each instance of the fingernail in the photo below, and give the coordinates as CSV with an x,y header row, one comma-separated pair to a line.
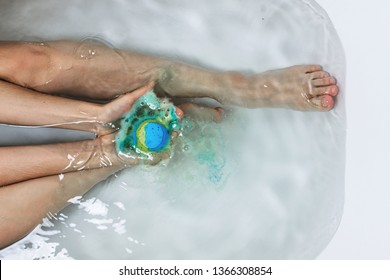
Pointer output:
x,y
179,112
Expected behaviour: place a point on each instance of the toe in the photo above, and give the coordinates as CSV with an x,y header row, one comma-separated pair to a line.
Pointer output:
x,y
319,75
202,113
325,81
322,103
332,90
311,68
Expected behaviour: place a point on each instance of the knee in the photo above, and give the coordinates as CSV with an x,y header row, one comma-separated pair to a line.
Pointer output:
x,y
31,65
34,69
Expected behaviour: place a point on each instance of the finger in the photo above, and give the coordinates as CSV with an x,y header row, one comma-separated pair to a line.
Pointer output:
x,y
155,158
133,96
136,94
129,159
174,136
119,106
179,112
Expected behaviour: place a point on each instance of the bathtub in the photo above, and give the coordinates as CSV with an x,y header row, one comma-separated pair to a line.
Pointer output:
x,y
365,228
281,190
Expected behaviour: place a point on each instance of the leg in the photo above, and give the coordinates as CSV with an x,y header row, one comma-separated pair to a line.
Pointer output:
x,y
96,71
24,205
304,88
202,113
75,68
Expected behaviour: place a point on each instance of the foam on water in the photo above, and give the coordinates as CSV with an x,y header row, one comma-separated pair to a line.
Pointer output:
x,y
265,183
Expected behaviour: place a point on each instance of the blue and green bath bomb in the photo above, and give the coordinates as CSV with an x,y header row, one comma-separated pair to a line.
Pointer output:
x,y
147,127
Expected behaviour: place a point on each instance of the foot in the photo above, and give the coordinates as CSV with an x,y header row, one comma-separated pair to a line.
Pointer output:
x,y
303,88
202,113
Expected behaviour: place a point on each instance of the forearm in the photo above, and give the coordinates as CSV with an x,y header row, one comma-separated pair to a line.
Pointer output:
x,y
28,162
21,106
24,205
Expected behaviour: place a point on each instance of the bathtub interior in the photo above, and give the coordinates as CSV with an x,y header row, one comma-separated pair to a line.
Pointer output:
x,y
263,184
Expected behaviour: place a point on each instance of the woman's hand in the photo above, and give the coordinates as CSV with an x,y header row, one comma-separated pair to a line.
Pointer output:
x,y
108,113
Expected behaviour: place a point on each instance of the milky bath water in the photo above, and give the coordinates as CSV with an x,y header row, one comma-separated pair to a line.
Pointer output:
x,y
262,184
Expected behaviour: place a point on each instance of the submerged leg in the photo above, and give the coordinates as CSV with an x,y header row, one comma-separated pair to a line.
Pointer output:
x,y
302,87
82,69
202,113
24,205
96,71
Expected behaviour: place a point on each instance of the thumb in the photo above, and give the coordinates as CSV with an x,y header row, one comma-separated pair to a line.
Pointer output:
x,y
119,106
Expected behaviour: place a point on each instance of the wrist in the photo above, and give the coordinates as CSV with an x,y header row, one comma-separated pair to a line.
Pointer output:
x,y
109,156
86,116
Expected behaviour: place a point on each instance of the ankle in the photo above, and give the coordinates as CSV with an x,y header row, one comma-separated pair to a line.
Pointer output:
x,y
187,81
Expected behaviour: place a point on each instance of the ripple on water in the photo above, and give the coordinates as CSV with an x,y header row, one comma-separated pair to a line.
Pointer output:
x,y
262,184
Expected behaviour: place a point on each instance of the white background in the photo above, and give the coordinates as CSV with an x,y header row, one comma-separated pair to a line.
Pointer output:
x,y
363,27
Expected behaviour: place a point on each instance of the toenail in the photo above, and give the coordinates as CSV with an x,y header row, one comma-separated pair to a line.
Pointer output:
x,y
333,90
324,102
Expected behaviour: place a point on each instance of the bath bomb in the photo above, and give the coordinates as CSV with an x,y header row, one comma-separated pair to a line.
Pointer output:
x,y
151,136
147,127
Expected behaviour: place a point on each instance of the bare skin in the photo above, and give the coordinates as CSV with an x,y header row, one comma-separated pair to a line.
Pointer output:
x,y
45,177
98,72
45,180
23,163
43,184
303,88
19,104
25,204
